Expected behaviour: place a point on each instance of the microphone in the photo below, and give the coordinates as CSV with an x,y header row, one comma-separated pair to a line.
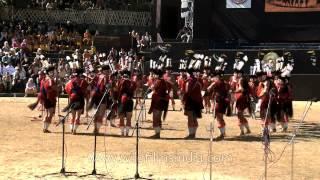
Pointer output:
x,y
108,86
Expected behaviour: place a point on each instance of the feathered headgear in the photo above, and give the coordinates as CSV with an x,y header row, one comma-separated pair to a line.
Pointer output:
x,y
207,62
168,63
288,68
313,57
240,61
183,65
221,64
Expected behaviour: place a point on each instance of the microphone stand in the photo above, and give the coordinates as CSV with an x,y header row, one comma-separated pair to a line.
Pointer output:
x,y
306,110
62,120
211,135
266,135
94,171
137,175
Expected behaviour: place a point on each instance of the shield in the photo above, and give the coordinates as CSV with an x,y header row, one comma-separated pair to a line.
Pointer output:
x,y
270,58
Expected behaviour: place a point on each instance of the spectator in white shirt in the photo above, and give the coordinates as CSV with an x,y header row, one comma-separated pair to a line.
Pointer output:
x,y
31,88
6,47
10,69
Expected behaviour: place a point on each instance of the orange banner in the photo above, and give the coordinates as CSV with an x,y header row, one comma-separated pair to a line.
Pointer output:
x,y
292,5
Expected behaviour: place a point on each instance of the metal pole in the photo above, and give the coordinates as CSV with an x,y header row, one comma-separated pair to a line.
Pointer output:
x,y
94,172
266,136
211,135
63,131
292,159
306,109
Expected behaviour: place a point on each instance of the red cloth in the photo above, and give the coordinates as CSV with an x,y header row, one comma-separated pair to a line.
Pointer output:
x,y
68,87
160,96
100,81
41,96
151,81
166,76
242,97
182,84
192,97
126,87
242,101
220,91
232,83
76,88
50,89
252,89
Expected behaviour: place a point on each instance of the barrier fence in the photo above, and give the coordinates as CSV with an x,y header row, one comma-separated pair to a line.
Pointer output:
x,y
98,17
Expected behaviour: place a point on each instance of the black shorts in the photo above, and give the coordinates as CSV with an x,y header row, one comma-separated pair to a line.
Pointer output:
x,y
107,101
126,107
49,104
78,105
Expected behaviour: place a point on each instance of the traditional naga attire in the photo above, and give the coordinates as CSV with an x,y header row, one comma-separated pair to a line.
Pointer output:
x,y
171,81
48,95
264,94
205,94
242,97
159,103
181,81
284,103
193,104
125,102
101,85
76,88
220,99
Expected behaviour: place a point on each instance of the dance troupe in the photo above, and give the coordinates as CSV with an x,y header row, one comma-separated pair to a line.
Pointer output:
x,y
266,93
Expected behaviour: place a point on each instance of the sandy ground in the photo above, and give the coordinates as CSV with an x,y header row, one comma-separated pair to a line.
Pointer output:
x,y
27,153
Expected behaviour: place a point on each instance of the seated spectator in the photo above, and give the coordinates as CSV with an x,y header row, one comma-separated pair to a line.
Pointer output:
x,y
6,47
93,50
15,43
3,35
6,59
2,88
7,81
87,38
18,79
24,45
86,54
31,88
145,41
9,68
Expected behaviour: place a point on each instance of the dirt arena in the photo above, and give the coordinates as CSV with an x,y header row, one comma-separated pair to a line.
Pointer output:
x,y
27,153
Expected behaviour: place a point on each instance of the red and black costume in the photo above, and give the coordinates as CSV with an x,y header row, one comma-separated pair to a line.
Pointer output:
x,y
76,88
126,92
100,85
159,103
49,93
193,104
242,95
283,103
219,90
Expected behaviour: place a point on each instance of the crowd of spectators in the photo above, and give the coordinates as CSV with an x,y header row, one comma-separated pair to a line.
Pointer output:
x,y
28,48
140,42
49,37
